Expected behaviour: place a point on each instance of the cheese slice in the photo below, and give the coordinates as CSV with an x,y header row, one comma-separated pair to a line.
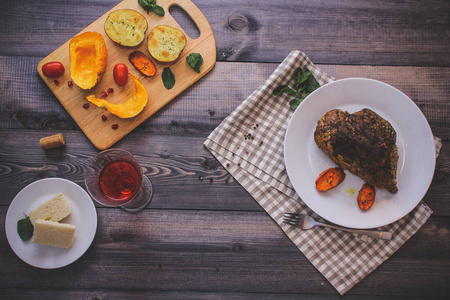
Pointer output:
x,y
55,209
54,234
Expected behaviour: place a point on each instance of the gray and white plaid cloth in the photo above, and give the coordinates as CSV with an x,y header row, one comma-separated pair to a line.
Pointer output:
x,y
249,143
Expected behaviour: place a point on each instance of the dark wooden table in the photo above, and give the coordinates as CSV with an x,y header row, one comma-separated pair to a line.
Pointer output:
x,y
209,238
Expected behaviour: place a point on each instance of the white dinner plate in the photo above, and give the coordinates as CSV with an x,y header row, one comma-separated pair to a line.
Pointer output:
x,y
305,161
83,216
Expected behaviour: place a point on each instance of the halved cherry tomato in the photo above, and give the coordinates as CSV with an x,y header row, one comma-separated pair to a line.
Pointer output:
x,y
120,73
366,196
53,69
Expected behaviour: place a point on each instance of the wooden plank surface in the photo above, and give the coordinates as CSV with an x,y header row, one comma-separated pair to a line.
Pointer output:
x,y
174,163
364,32
203,239
189,119
207,251
27,103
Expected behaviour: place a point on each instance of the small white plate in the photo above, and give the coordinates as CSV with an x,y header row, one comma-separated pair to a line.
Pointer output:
x,y
83,216
305,161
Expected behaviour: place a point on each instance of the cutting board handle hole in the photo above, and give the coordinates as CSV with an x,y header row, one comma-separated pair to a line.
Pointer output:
x,y
185,21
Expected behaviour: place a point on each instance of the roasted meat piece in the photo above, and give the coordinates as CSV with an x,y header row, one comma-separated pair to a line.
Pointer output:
x,y
363,143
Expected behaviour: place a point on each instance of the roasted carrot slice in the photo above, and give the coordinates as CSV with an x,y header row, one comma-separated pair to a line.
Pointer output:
x,y
366,196
142,63
329,179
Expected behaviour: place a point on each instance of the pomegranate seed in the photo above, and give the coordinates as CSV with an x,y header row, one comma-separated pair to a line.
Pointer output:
x,y
56,82
104,118
114,126
86,105
103,94
70,83
110,90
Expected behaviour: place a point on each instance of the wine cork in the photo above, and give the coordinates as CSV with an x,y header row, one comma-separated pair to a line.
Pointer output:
x,y
53,141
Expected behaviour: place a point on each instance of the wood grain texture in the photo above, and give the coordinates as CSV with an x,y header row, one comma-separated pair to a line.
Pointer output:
x,y
174,163
28,103
363,32
141,294
180,128
225,252
203,239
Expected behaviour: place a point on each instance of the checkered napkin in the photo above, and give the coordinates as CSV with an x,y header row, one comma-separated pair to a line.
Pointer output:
x,y
249,143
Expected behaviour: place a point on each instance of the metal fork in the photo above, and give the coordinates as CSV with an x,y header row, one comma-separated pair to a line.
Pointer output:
x,y
306,222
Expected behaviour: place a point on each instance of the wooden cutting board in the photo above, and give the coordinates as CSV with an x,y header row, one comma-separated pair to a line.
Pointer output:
x,y
100,132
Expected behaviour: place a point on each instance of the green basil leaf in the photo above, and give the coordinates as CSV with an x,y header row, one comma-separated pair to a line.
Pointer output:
x,y
312,84
302,78
158,10
195,60
283,89
297,73
301,88
143,3
25,228
294,103
168,78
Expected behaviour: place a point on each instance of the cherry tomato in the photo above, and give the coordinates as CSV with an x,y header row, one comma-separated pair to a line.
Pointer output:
x,y
120,73
53,69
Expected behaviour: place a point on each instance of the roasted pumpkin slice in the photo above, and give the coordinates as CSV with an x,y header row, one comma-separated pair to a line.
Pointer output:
x,y
129,109
88,55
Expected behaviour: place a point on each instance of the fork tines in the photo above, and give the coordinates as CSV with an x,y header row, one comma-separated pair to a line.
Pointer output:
x,y
291,218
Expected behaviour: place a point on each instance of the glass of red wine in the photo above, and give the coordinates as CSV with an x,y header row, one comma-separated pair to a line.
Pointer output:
x,y
114,178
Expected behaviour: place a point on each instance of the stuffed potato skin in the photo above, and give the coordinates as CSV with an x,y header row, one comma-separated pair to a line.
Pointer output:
x,y
166,43
126,27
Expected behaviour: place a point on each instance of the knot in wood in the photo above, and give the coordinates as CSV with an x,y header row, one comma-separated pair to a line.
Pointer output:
x,y
238,23
210,164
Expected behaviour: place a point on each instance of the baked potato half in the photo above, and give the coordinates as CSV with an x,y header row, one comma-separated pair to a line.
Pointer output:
x,y
126,27
165,43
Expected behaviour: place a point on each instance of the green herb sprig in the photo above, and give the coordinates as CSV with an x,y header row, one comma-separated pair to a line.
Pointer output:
x,y
150,5
195,60
304,84
168,78
25,228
